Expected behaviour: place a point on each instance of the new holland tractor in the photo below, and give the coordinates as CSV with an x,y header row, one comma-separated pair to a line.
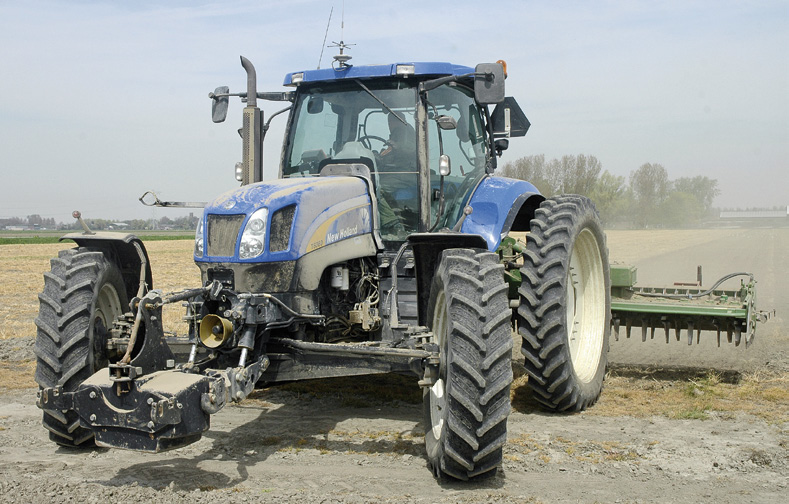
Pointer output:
x,y
381,247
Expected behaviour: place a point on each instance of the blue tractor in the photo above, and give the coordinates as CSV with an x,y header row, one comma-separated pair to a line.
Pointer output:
x,y
382,247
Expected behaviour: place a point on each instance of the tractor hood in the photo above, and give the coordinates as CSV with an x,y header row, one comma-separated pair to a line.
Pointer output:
x,y
292,217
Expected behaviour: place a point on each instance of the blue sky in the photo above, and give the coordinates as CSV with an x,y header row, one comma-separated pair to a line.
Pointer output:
x,y
103,100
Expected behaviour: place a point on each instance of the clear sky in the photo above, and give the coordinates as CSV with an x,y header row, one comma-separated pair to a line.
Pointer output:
x,y
103,100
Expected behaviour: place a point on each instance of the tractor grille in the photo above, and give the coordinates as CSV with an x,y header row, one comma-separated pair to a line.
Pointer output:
x,y
281,222
223,233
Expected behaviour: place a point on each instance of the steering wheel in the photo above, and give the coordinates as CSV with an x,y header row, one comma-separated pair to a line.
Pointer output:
x,y
365,140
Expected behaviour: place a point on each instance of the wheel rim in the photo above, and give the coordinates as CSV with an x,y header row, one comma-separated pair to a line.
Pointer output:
x,y
438,399
585,306
108,307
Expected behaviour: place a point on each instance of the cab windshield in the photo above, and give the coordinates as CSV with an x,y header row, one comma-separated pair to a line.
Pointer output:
x,y
344,122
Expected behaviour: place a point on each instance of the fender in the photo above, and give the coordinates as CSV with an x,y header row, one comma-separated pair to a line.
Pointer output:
x,y
427,248
119,248
501,205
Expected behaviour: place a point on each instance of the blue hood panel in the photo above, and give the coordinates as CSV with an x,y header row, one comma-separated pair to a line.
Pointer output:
x,y
327,210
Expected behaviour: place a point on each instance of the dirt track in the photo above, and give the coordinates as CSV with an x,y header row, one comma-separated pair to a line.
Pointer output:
x,y
288,445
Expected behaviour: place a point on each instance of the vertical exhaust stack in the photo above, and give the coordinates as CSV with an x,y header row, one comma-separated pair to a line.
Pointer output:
x,y
252,155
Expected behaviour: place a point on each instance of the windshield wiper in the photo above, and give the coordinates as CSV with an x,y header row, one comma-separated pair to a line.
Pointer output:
x,y
380,101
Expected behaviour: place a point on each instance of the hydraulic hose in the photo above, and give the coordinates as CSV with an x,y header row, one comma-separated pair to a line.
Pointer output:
x,y
140,292
700,294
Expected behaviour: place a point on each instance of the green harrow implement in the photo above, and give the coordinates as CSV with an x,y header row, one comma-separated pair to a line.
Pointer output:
x,y
668,309
729,311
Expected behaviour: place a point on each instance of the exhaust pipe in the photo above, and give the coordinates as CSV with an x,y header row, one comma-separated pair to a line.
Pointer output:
x,y
252,154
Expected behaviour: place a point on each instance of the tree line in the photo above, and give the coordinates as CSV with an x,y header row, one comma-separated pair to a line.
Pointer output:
x,y
647,198
37,222
34,221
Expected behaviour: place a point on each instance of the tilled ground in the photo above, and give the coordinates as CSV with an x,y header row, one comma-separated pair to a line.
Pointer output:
x,y
658,434
284,445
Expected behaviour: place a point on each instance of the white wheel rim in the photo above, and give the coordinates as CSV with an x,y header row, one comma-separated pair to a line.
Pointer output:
x,y
585,306
438,399
437,405
108,305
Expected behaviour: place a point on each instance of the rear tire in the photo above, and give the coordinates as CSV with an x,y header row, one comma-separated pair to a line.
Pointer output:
x,y
466,409
565,312
83,293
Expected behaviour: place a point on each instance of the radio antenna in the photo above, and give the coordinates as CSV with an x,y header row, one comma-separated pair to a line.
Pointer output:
x,y
326,35
342,58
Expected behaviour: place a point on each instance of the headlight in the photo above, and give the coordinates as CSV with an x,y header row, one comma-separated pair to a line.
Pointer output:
x,y
254,236
199,239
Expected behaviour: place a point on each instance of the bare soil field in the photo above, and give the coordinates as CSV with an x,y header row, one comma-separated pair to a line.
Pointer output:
x,y
674,424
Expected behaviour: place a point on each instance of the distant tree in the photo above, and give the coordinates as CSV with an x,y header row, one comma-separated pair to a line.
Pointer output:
x,y
579,174
138,224
532,169
610,195
681,209
568,175
704,189
651,186
553,175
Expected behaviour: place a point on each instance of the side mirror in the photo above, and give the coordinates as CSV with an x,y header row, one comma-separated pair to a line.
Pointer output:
x,y
219,103
489,83
444,166
315,105
446,122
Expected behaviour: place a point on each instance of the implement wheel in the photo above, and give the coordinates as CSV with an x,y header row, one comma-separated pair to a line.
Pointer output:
x,y
83,294
565,311
466,409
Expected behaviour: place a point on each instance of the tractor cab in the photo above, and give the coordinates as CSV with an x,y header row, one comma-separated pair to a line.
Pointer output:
x,y
420,133
375,121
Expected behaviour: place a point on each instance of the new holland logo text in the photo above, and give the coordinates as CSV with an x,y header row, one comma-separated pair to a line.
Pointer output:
x,y
341,234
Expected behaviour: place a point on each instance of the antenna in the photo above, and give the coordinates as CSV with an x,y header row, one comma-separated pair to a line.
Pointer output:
x,y
325,35
342,58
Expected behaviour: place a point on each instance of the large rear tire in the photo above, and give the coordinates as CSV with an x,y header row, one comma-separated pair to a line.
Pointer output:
x,y
565,312
466,409
83,293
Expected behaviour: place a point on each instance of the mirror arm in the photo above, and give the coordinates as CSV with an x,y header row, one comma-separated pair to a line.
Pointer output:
x,y
426,86
440,212
287,96
432,84
266,125
491,141
274,96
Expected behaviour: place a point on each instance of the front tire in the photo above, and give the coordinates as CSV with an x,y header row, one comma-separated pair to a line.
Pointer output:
x,y
466,409
83,293
565,312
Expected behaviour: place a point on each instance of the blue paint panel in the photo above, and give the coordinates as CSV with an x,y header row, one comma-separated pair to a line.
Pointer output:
x,y
368,71
492,202
318,200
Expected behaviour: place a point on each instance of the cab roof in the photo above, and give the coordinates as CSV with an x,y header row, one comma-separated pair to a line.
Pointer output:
x,y
433,69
